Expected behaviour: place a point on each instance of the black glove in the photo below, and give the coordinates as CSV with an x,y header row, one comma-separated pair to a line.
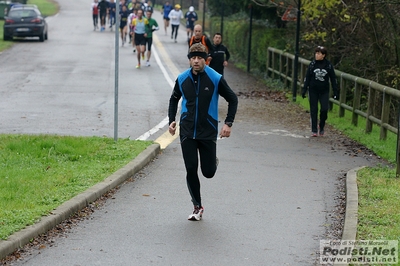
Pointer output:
x,y
303,95
335,95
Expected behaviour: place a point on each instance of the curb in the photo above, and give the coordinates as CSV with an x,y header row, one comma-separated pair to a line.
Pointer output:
x,y
351,214
68,208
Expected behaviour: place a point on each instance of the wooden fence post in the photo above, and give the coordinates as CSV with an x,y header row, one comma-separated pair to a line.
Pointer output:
x,y
280,66
286,72
267,64
385,114
356,103
370,109
273,65
398,144
342,95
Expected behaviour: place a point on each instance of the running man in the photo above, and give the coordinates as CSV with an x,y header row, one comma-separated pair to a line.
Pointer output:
x,y
165,12
103,8
200,87
175,15
123,23
95,14
152,26
199,37
112,7
131,28
191,18
139,25
220,54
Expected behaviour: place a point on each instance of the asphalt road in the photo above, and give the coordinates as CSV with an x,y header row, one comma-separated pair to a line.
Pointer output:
x,y
269,203
66,85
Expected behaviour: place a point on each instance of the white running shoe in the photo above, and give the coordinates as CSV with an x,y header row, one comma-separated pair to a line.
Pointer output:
x,y
147,63
197,214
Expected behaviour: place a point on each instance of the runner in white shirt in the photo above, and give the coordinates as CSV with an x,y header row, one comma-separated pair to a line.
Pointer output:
x,y
175,15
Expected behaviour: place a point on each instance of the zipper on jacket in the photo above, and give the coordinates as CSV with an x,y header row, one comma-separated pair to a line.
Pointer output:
x,y
197,106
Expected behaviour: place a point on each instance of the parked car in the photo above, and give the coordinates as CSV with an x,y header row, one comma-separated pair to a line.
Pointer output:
x,y
24,21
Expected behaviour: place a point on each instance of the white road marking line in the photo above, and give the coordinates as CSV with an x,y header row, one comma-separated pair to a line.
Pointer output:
x,y
278,132
165,139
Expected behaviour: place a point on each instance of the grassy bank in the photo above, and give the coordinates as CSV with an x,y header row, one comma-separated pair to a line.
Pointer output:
x,y
383,148
378,187
39,173
46,7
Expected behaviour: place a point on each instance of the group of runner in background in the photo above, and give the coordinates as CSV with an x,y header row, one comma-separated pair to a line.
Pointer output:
x,y
218,54
174,15
136,22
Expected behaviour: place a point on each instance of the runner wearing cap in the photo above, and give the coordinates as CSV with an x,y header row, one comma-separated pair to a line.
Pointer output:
x,y
191,18
175,15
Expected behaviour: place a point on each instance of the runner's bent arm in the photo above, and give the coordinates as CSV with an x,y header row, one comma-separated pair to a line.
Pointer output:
x,y
173,102
226,92
228,55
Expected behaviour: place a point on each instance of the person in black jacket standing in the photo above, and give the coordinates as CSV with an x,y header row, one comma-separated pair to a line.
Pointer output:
x,y
200,87
319,72
220,54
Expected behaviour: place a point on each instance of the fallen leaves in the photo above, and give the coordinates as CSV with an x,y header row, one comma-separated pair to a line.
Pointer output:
x,y
276,96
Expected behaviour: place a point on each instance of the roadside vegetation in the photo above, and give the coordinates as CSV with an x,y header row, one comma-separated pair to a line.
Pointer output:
x,y
378,187
40,172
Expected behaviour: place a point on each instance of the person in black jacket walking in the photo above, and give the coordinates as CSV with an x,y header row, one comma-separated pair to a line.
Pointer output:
x,y
319,72
220,54
200,87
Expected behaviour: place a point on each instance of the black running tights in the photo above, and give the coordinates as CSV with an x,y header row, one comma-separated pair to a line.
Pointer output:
x,y
323,98
95,20
174,29
191,148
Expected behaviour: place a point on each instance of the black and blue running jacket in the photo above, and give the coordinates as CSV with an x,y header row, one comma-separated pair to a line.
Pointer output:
x,y
200,93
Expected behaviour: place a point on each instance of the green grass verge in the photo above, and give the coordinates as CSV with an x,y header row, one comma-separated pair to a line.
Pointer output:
x,y
383,148
46,7
378,205
40,172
